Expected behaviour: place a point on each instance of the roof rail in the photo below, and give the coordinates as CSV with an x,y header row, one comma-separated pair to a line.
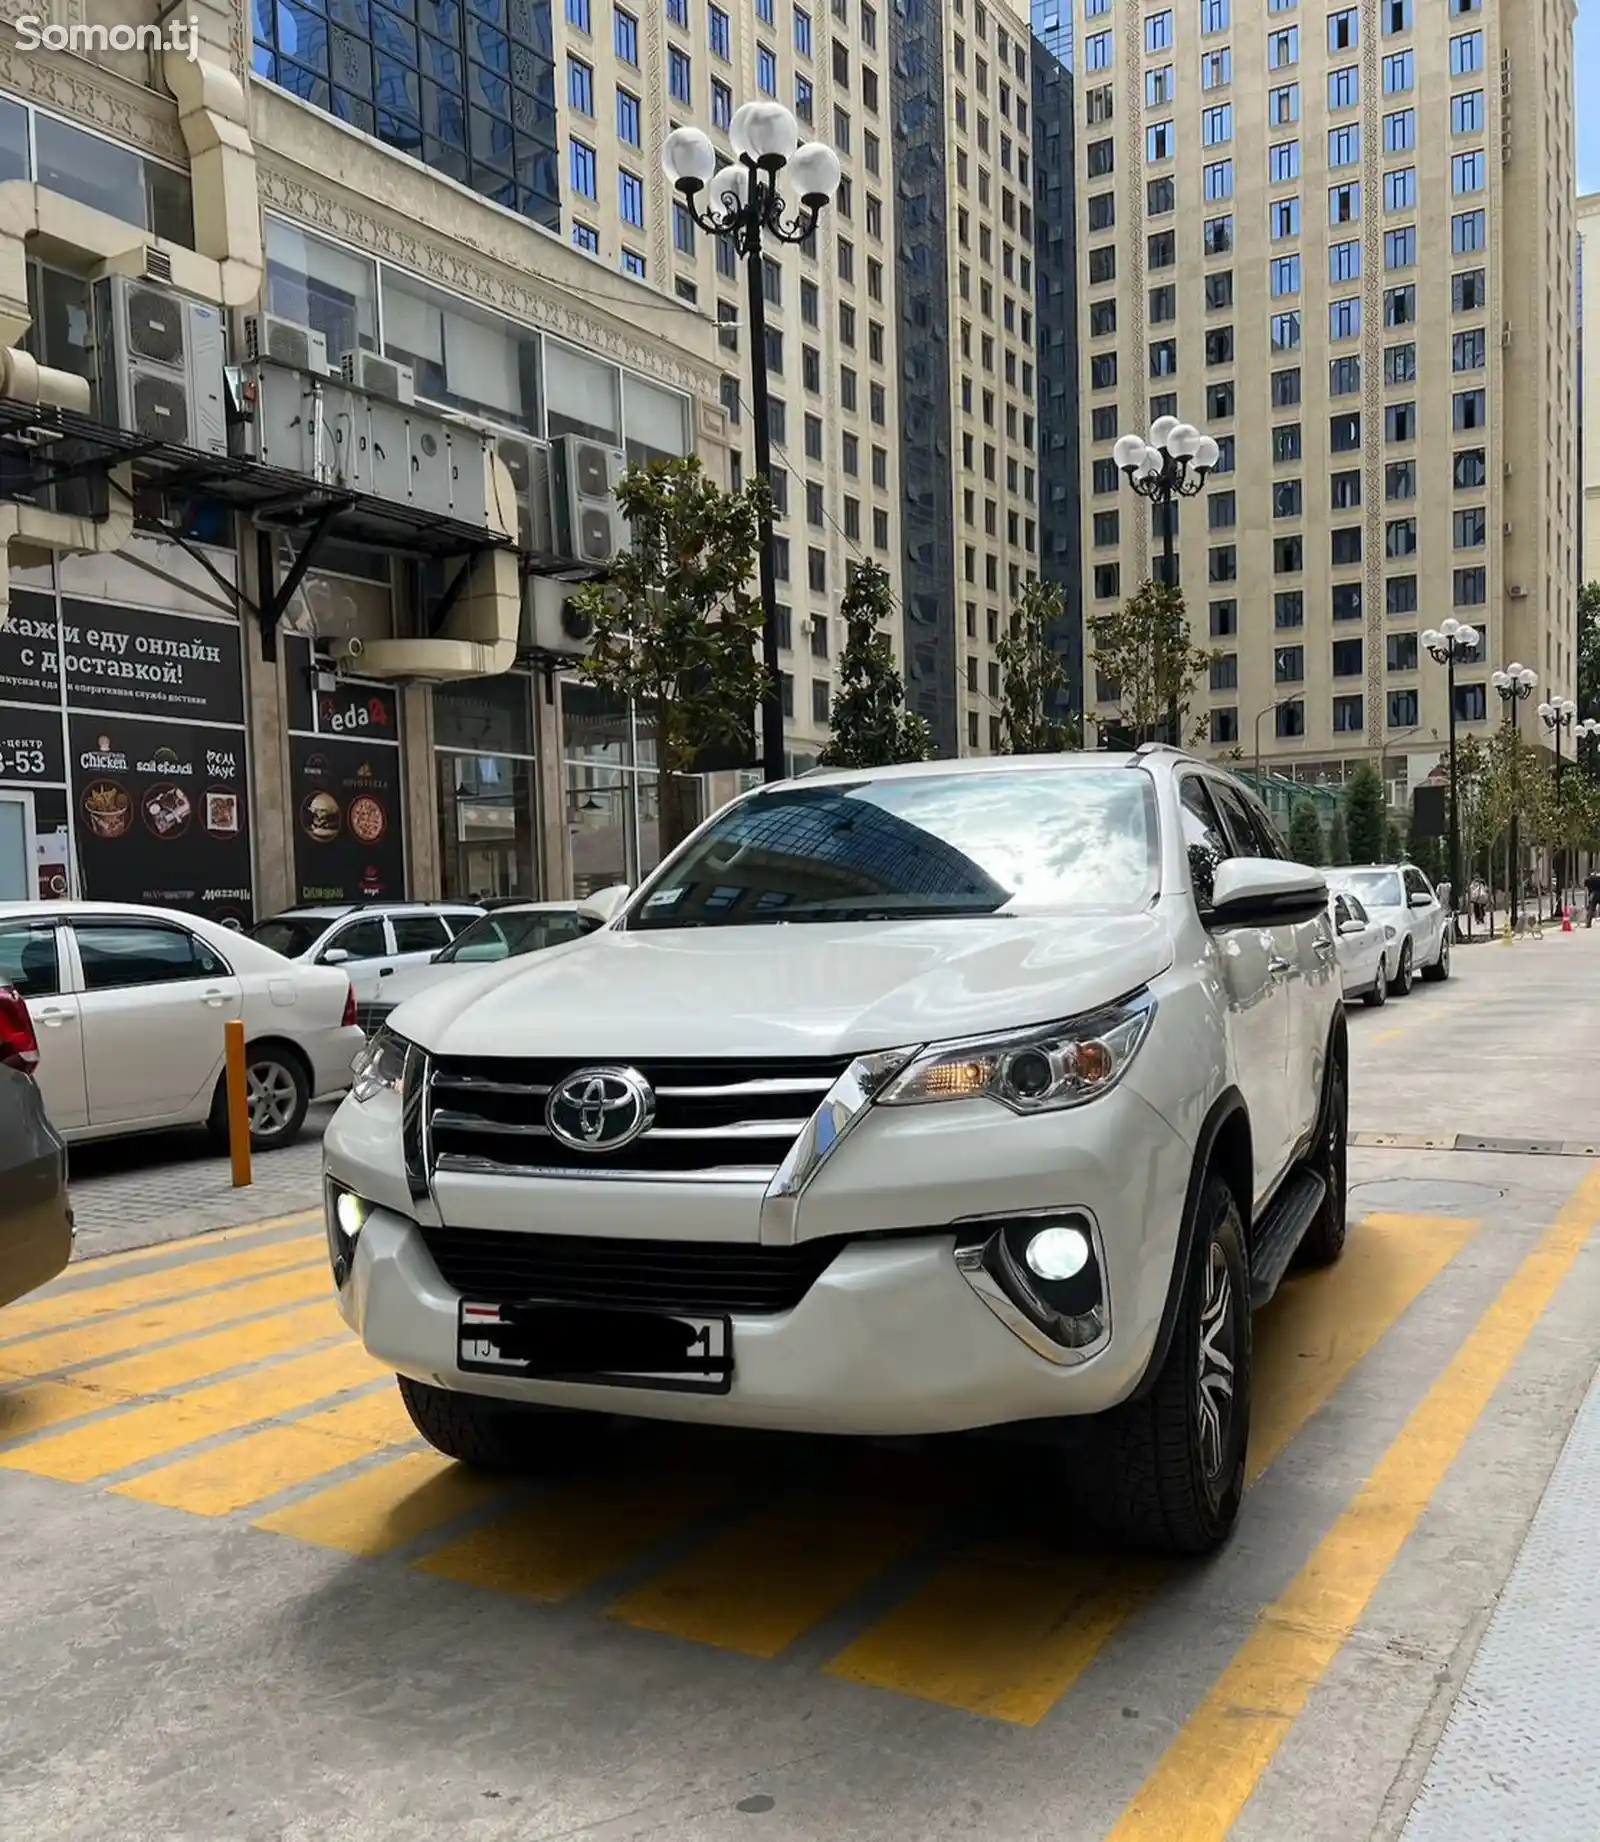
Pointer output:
x,y
1165,748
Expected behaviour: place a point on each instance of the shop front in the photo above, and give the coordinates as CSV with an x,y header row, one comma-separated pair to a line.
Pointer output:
x,y
122,729
486,768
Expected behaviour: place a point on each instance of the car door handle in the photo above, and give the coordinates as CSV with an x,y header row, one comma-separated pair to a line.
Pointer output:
x,y
213,998
53,1020
1279,967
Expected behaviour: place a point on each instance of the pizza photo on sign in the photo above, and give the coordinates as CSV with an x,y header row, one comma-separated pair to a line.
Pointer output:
x,y
366,819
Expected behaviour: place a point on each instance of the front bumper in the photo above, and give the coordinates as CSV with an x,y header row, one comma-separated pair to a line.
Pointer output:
x,y
892,1338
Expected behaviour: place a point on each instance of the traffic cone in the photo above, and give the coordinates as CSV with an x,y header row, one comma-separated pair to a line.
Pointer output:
x,y
1566,920
1508,938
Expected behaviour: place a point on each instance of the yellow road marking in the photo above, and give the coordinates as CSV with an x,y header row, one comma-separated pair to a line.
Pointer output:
x,y
1005,1628
260,1464
1208,1774
386,1507
93,1342
213,1237
57,1310
160,1371
767,1580
159,1427
581,1532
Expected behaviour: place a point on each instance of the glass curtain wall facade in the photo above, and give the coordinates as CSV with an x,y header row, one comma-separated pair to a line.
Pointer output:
x,y
487,773
612,799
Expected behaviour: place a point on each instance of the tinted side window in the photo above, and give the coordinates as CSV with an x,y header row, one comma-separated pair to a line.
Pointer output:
x,y
1268,838
458,923
28,960
1204,837
1341,911
362,939
1236,814
1417,883
418,933
1357,912
115,957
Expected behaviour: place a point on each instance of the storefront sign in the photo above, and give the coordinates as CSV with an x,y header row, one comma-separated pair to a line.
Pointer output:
x,y
162,814
347,844
30,746
134,659
30,650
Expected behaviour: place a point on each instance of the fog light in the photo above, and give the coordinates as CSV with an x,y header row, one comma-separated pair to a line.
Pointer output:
x,y
1056,1253
351,1213
346,1215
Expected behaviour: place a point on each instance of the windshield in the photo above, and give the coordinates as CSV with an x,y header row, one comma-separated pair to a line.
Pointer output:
x,y
290,935
504,936
947,844
1379,887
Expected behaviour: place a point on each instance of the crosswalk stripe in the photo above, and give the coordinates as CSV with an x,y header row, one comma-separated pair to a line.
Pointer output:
x,y
57,1310
1210,1771
582,1532
259,1465
190,1243
775,1574
102,1338
384,1508
1009,1640
123,1440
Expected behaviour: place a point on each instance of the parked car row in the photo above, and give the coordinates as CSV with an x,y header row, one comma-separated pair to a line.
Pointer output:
x,y
1391,929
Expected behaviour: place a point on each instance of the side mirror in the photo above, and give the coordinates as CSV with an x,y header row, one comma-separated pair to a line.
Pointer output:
x,y
335,956
1352,927
1419,900
605,903
1263,892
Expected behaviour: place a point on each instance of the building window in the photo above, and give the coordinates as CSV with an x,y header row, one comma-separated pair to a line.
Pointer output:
x,y
1216,235
633,263
1466,112
1400,537
1107,581
1344,261
1224,619
1158,32
1288,664
1283,216
1347,659
1216,69
1162,250
1400,595
1400,305
1345,546
1225,672
1223,563
1466,54
679,76
1399,73
1471,703
1344,146
1344,376
1163,357
1103,371
1471,528
1219,346
1344,87
1400,248
1288,555
582,169
578,14
1469,409
625,37
1285,390
1097,55
1400,652
586,238
1344,317
1402,710
1344,432
1400,422
1283,161
1163,303
628,118
1286,437
1344,490
1471,587
1467,351
1287,499
1289,609
1159,144
1219,290
1468,232
630,198
580,87
1400,131
1400,480
1100,158
1470,468
1217,178
1103,211
1467,172
1348,717
1344,203
1285,332
1216,125
1283,48
1160,196
1221,511
766,71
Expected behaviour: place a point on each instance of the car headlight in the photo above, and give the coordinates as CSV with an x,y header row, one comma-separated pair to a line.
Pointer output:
x,y
379,1065
1031,1071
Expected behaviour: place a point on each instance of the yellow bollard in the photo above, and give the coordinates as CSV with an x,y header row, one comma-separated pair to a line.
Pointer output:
x,y
238,1105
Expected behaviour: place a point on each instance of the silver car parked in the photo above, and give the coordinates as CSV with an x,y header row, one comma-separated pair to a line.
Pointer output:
x,y
1399,897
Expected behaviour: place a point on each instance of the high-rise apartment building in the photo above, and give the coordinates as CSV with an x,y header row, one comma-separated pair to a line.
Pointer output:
x,y
1589,386
1340,240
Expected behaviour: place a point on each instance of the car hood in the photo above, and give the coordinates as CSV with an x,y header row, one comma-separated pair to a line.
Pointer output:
x,y
815,989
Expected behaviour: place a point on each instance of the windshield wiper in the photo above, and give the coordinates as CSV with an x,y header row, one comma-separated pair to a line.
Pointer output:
x,y
883,908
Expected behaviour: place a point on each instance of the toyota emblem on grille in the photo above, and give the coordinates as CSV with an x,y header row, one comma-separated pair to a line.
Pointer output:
x,y
600,1109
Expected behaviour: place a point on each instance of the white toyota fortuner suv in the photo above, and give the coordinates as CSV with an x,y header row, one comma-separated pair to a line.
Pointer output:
x,y
903,1101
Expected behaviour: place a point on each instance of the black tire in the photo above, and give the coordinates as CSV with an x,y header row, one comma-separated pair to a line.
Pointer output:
x,y
1379,994
1163,1474
1405,975
1324,1239
279,1093
494,1435
1439,971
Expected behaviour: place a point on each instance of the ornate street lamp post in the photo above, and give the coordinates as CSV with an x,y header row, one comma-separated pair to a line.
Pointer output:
x,y
743,203
1515,686
1557,716
1445,645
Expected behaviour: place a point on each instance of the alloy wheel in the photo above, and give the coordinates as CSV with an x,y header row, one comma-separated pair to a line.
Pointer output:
x,y
1214,1381
272,1094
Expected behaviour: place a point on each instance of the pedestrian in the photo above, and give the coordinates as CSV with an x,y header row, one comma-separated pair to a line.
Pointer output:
x,y
1480,901
1592,889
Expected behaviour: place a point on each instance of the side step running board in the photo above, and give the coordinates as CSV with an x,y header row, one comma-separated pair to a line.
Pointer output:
x,y
1280,1231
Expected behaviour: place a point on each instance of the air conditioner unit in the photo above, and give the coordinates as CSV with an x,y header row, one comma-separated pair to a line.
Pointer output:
x,y
159,357
1505,334
550,623
589,525
1517,592
285,342
528,463
379,376
1506,528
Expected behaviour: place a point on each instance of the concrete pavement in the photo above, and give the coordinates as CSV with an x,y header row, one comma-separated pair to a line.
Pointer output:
x,y
242,1603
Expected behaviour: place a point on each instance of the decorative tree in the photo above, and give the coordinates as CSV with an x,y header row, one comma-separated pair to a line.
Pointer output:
x,y
1033,677
1305,833
675,629
1338,838
1366,815
1394,842
1588,693
1145,649
871,727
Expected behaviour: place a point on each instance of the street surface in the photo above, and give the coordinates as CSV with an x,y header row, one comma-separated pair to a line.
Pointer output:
x,y
242,1602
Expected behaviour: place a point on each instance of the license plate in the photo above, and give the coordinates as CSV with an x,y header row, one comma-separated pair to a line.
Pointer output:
x,y
618,1347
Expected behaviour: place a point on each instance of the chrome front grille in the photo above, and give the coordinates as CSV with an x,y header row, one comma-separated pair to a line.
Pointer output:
x,y
718,1121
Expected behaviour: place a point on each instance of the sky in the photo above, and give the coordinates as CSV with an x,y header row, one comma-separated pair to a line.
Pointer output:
x,y
1588,88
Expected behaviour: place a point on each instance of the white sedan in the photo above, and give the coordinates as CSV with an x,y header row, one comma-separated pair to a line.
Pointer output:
x,y
506,932
1363,949
128,1005
1399,897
